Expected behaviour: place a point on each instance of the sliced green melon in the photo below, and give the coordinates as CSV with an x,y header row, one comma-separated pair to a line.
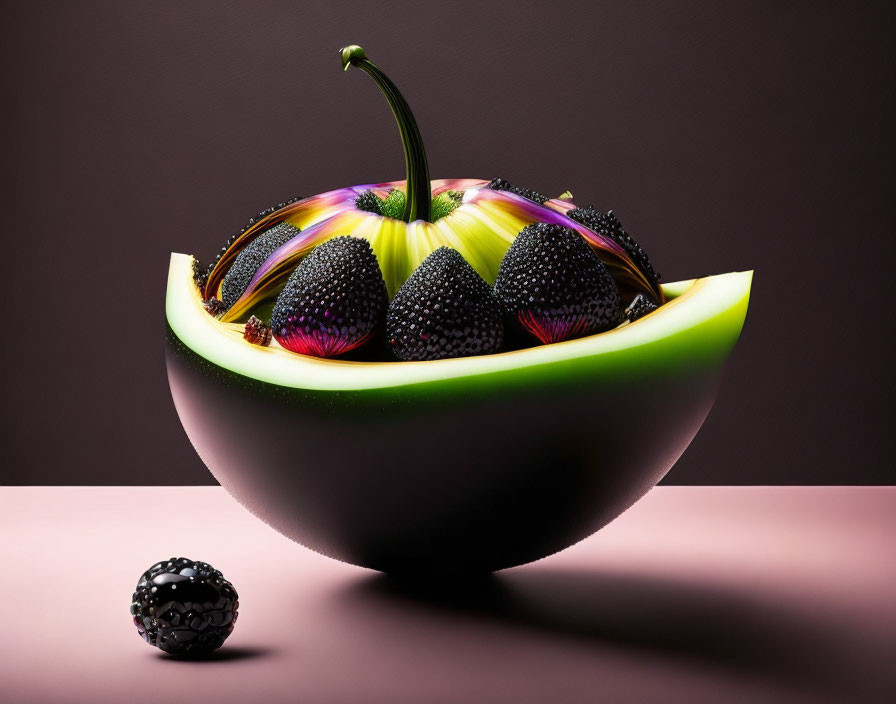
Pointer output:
x,y
701,322
457,465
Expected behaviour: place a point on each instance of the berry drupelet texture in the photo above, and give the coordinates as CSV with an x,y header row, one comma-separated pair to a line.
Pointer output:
x,y
553,284
369,202
608,225
639,307
444,309
260,215
499,184
251,258
184,607
333,302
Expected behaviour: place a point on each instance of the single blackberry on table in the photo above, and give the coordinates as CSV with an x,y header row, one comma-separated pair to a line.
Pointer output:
x,y
499,184
444,309
251,258
608,225
333,302
553,284
184,607
640,306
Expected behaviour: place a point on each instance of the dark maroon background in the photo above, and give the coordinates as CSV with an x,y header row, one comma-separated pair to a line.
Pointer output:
x,y
726,135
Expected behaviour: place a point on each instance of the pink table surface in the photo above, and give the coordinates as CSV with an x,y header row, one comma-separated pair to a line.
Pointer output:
x,y
694,595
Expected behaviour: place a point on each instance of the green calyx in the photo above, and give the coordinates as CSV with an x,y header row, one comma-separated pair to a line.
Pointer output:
x,y
444,203
394,204
418,203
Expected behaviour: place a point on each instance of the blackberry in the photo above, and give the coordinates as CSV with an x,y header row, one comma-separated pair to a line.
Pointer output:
x,y
261,214
443,310
609,226
499,184
251,258
369,202
184,607
333,302
554,285
640,306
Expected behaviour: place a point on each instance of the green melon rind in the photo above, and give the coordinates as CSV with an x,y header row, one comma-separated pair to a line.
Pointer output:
x,y
697,328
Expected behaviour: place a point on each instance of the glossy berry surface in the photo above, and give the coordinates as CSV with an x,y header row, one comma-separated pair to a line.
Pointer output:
x,y
445,309
333,302
553,284
184,607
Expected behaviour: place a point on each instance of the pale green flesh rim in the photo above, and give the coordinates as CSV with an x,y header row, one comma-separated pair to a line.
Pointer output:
x,y
699,324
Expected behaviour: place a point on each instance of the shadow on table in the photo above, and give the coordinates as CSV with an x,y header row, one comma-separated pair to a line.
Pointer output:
x,y
745,633
223,654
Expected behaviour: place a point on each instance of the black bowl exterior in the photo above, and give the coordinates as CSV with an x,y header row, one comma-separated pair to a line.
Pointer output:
x,y
474,481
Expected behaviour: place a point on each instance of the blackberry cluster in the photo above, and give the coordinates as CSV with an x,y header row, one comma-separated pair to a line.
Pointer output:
x,y
249,260
184,607
608,224
555,286
551,285
444,309
333,302
499,184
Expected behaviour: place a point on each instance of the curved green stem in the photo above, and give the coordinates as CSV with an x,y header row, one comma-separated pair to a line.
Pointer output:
x,y
418,201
